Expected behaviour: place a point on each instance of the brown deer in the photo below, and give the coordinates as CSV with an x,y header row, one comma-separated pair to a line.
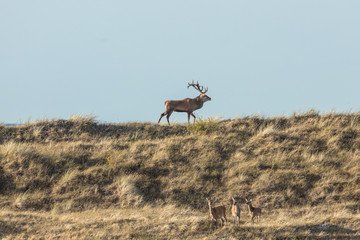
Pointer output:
x,y
253,211
235,210
216,213
188,105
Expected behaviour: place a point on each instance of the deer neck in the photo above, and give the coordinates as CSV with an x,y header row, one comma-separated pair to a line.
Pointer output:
x,y
211,211
251,208
236,207
199,102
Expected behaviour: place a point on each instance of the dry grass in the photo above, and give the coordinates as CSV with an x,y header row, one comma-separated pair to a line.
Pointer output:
x,y
171,222
79,179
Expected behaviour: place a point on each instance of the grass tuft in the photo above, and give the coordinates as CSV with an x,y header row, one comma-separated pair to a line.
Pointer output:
x,y
204,126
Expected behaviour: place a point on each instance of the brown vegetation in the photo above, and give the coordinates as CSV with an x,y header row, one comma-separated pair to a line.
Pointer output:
x,y
78,178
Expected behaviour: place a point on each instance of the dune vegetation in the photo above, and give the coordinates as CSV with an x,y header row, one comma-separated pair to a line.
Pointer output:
x,y
80,179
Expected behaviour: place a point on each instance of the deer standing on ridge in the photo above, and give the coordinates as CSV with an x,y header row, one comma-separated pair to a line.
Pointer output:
x,y
188,105
253,211
216,213
235,210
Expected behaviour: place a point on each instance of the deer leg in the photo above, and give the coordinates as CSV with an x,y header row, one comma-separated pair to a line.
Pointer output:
x,y
188,117
163,114
168,116
193,117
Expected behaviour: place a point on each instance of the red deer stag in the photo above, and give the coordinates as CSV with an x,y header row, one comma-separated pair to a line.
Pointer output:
x,y
188,105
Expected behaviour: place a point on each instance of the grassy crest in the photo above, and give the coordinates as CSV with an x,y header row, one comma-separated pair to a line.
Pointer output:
x,y
144,180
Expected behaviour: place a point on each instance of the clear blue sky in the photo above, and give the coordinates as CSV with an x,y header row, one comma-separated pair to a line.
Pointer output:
x,y
120,60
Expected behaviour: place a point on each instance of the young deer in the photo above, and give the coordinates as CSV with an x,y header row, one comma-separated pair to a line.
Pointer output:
x,y
253,211
235,210
216,213
188,105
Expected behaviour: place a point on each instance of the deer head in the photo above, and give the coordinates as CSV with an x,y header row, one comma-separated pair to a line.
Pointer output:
x,y
203,97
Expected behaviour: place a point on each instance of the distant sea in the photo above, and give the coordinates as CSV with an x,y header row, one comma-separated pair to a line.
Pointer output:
x,y
10,124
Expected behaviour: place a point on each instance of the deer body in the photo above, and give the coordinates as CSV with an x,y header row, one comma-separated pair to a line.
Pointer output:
x,y
188,105
253,211
235,211
216,213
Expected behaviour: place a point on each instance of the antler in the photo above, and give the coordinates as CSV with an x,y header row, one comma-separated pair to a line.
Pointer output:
x,y
197,87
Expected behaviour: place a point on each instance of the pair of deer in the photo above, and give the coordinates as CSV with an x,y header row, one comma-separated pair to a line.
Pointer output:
x,y
219,212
